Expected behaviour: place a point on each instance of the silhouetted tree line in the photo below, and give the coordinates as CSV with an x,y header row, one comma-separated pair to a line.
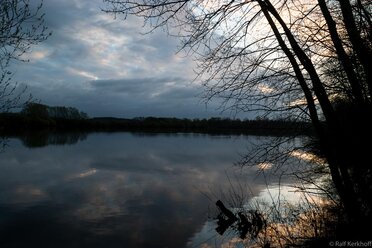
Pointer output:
x,y
39,116
37,110
211,125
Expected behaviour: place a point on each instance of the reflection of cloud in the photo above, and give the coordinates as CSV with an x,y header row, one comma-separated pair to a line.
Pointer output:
x,y
99,207
30,191
145,189
28,194
306,156
234,242
280,192
206,238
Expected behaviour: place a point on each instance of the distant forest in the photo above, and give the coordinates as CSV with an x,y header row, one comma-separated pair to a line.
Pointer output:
x,y
35,116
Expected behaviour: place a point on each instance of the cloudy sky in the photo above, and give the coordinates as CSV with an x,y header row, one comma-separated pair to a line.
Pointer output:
x,y
108,67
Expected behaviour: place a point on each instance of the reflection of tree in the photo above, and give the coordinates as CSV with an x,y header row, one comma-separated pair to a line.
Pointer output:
x,y
45,138
3,144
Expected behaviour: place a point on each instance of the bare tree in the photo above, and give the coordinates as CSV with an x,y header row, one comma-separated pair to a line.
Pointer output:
x,y
270,56
21,26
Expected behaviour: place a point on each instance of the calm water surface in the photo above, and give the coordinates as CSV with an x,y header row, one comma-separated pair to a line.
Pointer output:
x,y
118,190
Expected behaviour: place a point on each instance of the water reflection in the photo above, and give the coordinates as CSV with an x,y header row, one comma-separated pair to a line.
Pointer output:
x,y
41,138
118,190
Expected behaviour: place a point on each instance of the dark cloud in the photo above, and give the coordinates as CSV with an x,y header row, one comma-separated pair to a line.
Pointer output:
x,y
137,85
129,98
107,67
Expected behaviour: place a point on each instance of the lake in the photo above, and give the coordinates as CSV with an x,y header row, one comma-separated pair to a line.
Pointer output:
x,y
121,189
